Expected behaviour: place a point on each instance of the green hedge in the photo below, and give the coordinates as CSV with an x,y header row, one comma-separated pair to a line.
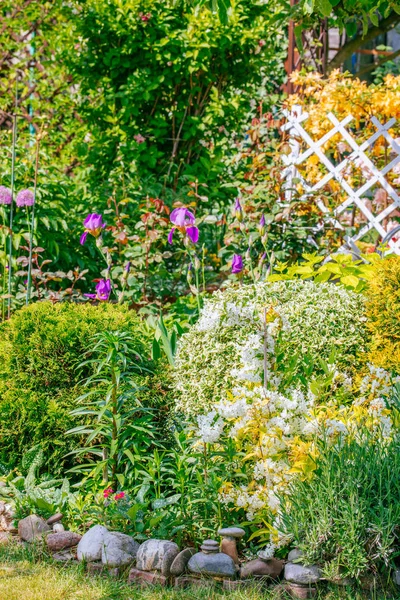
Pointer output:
x,y
41,347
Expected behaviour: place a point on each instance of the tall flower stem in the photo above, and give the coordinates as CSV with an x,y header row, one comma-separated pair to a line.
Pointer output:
x,y
29,285
14,145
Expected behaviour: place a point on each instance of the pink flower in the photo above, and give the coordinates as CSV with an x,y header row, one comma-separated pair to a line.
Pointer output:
x,y
145,17
108,492
139,138
119,496
262,43
5,195
25,198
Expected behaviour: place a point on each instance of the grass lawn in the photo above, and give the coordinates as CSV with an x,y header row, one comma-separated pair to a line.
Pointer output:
x,y
28,574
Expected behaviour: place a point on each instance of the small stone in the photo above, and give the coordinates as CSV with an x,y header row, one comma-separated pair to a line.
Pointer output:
x,y
295,555
396,576
300,591
302,574
5,538
62,540
187,581
64,556
228,546
271,567
118,549
58,528
157,555
210,547
180,562
146,578
233,532
91,544
212,564
54,519
32,527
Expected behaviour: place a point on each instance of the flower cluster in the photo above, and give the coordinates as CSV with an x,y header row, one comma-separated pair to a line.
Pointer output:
x,y
24,197
109,492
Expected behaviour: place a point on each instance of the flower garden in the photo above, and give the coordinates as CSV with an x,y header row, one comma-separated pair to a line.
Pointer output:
x,y
200,314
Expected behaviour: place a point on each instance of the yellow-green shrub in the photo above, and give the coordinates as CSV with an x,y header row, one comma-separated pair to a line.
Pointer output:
x,y
383,312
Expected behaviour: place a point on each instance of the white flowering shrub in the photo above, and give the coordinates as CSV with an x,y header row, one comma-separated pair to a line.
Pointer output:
x,y
296,324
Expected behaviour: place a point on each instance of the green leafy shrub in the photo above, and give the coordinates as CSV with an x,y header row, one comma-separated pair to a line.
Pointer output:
x,y
383,312
317,319
346,517
40,349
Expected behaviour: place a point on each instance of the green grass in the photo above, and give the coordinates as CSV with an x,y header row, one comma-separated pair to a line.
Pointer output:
x,y
29,574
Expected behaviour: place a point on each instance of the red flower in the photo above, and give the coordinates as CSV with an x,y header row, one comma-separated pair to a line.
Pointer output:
x,y
108,492
119,496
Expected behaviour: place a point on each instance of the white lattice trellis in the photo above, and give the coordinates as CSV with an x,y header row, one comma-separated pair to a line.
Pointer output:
x,y
358,156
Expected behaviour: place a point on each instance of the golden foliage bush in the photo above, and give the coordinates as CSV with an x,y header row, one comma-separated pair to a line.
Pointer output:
x,y
383,312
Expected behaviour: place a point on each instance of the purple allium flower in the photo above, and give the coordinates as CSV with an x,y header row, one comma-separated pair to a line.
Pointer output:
x,y
25,198
5,195
103,290
237,263
182,217
93,224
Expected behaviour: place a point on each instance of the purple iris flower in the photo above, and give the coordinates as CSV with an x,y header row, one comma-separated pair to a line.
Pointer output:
x,y
238,210
103,290
237,263
182,217
193,234
184,220
25,198
5,195
128,267
93,224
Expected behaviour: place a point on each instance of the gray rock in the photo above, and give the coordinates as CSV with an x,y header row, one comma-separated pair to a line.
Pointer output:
x,y
396,576
91,544
64,556
32,527
302,574
212,562
179,565
54,519
231,532
215,565
156,555
118,549
58,528
62,540
271,567
295,555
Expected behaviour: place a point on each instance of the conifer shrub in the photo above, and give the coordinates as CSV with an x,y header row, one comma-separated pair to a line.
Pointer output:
x,y
41,348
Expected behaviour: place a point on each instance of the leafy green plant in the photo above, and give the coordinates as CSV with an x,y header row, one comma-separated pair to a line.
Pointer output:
x,y
346,517
116,421
41,347
34,494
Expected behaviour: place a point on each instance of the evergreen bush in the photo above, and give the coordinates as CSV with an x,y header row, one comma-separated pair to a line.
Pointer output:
x,y
41,347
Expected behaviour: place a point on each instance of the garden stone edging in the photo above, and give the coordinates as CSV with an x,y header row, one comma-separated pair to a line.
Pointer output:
x,y
32,527
118,549
91,544
157,555
302,574
62,540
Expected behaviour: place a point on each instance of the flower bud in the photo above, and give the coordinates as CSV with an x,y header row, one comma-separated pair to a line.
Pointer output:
x,y
197,263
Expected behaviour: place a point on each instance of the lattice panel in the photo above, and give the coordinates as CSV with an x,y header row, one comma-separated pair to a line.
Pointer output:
x,y
303,147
